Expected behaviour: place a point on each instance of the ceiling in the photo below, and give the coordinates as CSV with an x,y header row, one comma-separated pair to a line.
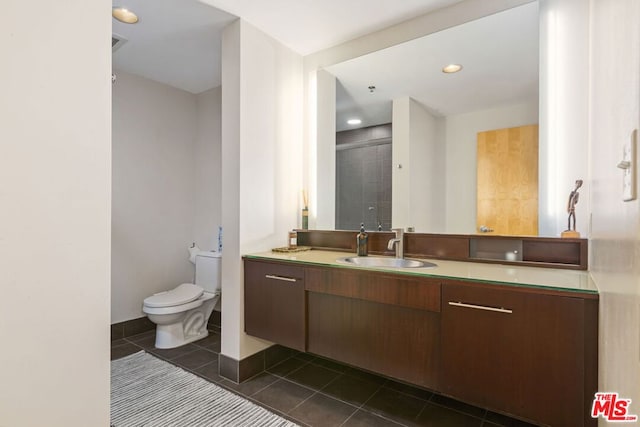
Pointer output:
x,y
307,26
499,54
177,42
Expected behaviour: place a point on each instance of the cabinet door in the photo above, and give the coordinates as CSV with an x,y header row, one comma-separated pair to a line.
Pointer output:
x,y
517,352
274,303
383,323
483,346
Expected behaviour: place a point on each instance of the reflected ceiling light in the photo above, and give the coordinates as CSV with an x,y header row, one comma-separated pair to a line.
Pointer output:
x,y
124,15
452,68
354,121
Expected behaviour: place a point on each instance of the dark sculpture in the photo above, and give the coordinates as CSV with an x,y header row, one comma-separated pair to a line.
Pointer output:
x,y
571,206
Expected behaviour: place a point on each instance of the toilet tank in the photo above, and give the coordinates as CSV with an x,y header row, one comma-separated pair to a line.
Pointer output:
x,y
208,270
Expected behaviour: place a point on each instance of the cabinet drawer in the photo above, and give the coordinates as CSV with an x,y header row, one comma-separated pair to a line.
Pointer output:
x,y
405,291
266,272
274,303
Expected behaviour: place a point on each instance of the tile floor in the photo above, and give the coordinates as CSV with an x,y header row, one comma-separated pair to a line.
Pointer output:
x,y
312,391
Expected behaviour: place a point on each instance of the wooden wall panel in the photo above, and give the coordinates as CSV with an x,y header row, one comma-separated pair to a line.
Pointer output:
x,y
507,180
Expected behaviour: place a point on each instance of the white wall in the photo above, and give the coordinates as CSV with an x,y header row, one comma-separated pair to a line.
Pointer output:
x,y
615,234
418,186
461,151
55,138
564,113
166,187
208,165
261,162
323,199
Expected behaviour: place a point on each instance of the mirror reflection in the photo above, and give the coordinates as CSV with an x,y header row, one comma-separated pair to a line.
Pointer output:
x,y
407,132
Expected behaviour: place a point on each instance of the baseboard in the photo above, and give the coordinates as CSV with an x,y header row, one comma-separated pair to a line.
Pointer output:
x,y
241,370
131,327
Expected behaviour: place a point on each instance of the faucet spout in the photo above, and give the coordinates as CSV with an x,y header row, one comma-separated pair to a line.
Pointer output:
x,y
397,242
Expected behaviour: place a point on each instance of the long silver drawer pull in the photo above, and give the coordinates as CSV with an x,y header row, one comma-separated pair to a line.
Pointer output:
x,y
286,279
481,307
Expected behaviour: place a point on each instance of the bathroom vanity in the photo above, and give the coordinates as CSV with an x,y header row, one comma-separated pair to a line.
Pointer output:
x,y
517,340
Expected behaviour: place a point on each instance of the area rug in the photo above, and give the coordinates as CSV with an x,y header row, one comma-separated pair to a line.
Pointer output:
x,y
146,391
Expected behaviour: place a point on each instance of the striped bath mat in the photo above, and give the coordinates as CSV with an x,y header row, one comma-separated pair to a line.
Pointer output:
x,y
146,391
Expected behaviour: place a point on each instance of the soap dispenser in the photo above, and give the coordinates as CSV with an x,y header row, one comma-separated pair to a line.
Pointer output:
x,y
361,241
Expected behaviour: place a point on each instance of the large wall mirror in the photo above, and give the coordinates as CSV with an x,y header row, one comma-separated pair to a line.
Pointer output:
x,y
420,126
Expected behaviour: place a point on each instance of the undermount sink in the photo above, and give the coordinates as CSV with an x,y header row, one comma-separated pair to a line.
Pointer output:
x,y
369,261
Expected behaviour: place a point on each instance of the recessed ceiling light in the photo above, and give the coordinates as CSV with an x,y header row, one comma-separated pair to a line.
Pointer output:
x,y
354,121
452,68
124,15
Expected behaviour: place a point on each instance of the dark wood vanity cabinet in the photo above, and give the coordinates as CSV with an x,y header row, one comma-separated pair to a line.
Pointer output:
x,y
520,352
385,323
274,303
526,352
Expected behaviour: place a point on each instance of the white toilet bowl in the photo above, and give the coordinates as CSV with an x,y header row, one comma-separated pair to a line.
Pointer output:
x,y
181,314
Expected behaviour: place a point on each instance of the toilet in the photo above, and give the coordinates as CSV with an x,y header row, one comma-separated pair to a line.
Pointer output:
x,y
181,314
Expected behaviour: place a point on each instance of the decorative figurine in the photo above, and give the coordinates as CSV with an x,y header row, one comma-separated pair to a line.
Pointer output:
x,y
574,196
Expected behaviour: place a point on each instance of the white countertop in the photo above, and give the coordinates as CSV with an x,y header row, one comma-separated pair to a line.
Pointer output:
x,y
549,278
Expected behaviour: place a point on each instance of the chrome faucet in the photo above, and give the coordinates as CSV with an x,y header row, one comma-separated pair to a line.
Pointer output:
x,y
398,242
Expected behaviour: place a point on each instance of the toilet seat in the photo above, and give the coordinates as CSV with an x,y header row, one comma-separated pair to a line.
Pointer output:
x,y
183,294
182,307
173,309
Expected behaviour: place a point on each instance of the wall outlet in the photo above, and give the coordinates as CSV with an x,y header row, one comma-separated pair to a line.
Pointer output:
x,y
629,167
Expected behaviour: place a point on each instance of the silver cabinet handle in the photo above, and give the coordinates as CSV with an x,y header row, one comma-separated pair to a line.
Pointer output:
x,y
481,307
285,279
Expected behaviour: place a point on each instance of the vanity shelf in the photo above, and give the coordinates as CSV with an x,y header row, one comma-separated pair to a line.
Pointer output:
x,y
531,251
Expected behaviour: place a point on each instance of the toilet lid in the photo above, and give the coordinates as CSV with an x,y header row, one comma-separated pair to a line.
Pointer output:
x,y
183,294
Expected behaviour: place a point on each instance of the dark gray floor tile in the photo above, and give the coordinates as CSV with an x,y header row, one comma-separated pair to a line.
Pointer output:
x,y
330,364
116,343
439,416
252,385
358,373
277,354
394,405
312,376
351,389
458,406
286,367
172,353
196,359
124,350
322,411
283,395
146,340
142,336
503,420
407,389
215,347
210,372
304,356
210,341
367,419
386,402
